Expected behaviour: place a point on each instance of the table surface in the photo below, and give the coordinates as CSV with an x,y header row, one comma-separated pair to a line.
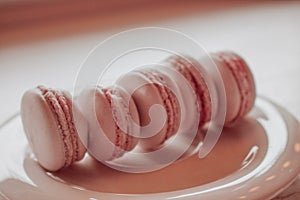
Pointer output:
x,y
266,34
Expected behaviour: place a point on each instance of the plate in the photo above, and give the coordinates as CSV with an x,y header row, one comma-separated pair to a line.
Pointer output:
x,y
256,159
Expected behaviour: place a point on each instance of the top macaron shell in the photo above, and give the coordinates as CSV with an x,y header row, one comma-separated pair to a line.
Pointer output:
x,y
53,145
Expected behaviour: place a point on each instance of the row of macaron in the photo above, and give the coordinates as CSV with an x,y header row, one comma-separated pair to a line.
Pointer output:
x,y
108,121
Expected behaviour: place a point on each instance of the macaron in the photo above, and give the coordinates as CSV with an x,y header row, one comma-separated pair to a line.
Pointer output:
x,y
148,88
49,125
237,79
239,84
187,68
110,121
113,121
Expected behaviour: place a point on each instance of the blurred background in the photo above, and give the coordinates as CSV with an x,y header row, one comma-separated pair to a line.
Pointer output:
x,y
39,19
45,41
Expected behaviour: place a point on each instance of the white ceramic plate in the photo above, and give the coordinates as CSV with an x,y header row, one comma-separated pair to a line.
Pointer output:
x,y
256,160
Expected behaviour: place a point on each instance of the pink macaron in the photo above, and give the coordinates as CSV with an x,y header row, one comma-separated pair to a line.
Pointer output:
x,y
113,121
187,68
148,88
239,84
47,116
237,79
110,121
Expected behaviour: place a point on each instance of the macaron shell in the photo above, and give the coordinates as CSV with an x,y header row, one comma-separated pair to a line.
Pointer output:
x,y
233,100
145,96
168,89
187,66
42,132
186,107
101,126
125,114
206,107
106,141
244,82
